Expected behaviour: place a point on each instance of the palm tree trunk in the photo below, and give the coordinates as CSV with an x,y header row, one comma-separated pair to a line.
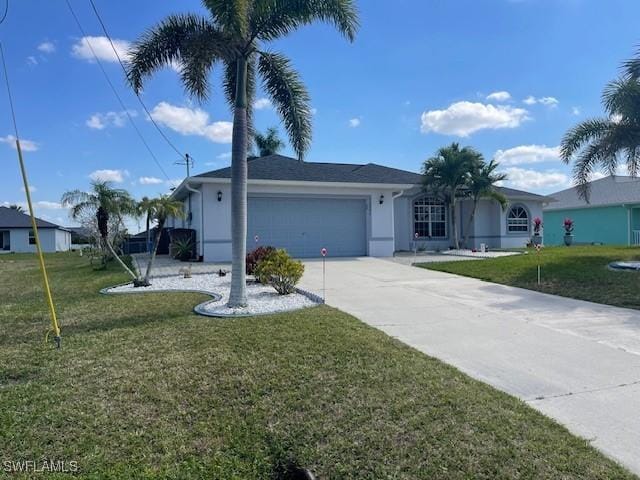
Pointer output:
x,y
118,259
154,252
148,232
238,294
470,222
454,221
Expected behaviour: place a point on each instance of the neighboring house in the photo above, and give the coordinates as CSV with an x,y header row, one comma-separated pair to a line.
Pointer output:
x,y
352,210
612,215
16,234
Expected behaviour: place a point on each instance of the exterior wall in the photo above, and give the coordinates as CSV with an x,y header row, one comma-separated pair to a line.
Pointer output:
x,y
63,240
518,240
489,225
217,220
20,240
608,225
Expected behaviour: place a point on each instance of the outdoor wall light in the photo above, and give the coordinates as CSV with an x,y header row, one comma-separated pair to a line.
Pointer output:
x,y
219,196
381,199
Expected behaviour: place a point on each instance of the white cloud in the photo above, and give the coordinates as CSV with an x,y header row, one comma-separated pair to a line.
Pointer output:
x,y
354,122
192,121
102,48
32,61
262,103
100,121
548,101
575,111
174,182
31,189
527,154
26,145
39,205
534,180
314,111
150,180
464,118
224,156
116,176
47,47
500,96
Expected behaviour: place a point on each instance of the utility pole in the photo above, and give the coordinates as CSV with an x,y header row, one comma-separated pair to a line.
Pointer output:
x,y
188,162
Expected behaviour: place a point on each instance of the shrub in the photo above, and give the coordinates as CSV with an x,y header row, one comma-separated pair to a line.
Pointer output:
x,y
280,271
255,257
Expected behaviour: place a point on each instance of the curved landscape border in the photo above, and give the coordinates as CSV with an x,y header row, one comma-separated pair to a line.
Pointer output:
x,y
215,297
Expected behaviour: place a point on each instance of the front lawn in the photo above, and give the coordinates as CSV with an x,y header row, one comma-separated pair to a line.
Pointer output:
x,y
143,388
577,272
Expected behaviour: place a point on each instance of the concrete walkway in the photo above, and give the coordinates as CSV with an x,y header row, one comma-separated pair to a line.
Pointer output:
x,y
575,361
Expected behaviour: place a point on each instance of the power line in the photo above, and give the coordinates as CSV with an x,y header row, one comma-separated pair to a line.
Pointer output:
x,y
124,69
6,11
115,92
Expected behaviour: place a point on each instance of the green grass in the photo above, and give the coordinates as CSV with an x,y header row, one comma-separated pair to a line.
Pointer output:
x,y
143,388
577,272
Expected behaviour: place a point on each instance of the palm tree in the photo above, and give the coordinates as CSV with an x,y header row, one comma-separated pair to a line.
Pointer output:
x,y
600,143
269,143
145,208
158,210
447,174
16,207
104,202
482,184
233,35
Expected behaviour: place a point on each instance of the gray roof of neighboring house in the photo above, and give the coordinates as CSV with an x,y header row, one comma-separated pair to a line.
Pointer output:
x,y
611,190
11,218
279,167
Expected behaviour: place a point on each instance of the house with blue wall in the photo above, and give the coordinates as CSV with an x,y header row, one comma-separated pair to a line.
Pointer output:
x,y
610,216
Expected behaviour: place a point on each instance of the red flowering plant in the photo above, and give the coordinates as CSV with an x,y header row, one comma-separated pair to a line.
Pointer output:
x,y
537,225
568,226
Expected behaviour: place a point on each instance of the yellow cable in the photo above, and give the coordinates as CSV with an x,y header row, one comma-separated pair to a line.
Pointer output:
x,y
54,320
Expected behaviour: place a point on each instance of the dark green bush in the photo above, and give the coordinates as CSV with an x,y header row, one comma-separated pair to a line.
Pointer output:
x,y
280,271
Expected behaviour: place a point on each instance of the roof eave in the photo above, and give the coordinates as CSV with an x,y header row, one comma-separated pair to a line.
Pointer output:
x,y
294,183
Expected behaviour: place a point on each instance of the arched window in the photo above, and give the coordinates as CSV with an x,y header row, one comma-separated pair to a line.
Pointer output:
x,y
518,220
429,217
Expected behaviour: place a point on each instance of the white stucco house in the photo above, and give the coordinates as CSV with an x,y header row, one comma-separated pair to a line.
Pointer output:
x,y
349,209
16,234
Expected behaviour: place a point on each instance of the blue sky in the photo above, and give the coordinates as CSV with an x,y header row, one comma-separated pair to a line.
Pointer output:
x,y
420,75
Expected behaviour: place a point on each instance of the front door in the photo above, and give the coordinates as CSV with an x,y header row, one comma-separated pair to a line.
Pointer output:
x,y
5,240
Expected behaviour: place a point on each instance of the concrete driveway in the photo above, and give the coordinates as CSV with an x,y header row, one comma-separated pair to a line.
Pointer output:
x,y
575,361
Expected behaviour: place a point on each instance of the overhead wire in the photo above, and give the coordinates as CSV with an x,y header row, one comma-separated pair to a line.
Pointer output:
x,y
6,11
115,91
124,69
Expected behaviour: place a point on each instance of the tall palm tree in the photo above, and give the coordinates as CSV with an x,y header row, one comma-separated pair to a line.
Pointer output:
x,y
158,210
601,143
104,202
482,184
447,174
234,35
145,208
269,143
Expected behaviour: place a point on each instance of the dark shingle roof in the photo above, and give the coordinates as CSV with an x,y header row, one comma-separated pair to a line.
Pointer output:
x,y
10,218
522,195
278,167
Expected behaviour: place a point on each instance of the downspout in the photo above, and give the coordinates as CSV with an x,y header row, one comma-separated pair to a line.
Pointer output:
x,y
201,242
393,216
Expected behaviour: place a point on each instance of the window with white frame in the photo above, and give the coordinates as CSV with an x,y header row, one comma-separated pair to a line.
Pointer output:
x,y
518,220
32,238
429,217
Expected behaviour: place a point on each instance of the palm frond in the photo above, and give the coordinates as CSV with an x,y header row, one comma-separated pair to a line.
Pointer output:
x,y
271,19
169,42
632,67
622,97
290,98
584,132
230,15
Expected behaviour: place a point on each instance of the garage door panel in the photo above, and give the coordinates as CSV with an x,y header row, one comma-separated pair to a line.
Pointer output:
x,y
304,226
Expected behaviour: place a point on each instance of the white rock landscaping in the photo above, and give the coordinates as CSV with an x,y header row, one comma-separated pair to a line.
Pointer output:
x,y
261,299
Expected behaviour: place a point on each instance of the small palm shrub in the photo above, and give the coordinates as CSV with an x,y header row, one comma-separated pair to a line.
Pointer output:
x,y
255,257
182,249
280,271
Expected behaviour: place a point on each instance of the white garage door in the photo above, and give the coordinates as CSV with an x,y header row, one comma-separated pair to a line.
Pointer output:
x,y
303,226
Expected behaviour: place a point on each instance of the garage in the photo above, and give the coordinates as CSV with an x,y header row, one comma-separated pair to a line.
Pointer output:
x,y
303,226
